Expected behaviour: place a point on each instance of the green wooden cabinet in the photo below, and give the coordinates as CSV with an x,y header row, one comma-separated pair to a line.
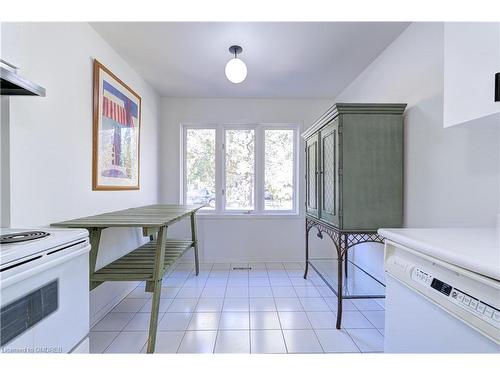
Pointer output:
x,y
354,166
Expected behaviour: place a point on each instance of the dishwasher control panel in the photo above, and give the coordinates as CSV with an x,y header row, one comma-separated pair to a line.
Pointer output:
x,y
460,298
472,298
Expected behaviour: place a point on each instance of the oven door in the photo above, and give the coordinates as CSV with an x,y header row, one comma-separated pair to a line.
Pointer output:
x,y
45,302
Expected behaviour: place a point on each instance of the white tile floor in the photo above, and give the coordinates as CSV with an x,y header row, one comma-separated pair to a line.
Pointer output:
x,y
269,309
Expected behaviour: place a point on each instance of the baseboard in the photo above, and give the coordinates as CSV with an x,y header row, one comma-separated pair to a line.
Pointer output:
x,y
224,258
106,296
245,260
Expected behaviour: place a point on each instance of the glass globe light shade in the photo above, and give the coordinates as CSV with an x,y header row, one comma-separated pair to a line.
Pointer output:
x,y
236,70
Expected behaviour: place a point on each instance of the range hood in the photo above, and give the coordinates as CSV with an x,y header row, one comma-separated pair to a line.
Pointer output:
x,y
13,84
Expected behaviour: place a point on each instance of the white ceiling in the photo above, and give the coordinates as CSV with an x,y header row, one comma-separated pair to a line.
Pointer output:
x,y
284,59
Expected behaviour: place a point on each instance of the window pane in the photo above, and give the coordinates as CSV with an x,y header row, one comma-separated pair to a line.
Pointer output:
x,y
200,167
278,194
240,174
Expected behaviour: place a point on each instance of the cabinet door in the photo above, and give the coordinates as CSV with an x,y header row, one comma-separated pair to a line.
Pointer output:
x,y
329,169
312,171
471,59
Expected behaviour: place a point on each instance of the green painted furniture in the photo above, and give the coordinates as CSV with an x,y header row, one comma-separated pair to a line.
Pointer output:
x,y
148,262
354,178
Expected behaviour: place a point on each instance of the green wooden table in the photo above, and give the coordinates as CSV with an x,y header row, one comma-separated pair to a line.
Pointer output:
x,y
148,262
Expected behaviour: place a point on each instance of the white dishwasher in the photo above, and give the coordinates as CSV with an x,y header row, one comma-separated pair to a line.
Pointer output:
x,y
434,304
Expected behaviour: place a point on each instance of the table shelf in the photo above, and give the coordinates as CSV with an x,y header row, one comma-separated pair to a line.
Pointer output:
x,y
139,264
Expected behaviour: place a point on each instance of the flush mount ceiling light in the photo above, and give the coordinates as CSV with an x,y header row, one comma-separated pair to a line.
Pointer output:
x,y
236,70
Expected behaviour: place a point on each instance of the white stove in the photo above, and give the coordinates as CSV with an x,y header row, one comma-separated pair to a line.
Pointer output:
x,y
44,295
26,242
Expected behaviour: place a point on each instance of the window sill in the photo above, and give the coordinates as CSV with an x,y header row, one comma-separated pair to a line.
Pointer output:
x,y
239,215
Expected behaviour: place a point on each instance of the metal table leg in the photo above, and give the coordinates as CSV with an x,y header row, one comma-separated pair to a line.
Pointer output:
x,y
307,252
346,259
195,244
340,287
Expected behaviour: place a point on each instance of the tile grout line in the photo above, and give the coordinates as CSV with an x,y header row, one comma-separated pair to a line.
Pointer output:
x,y
279,319
249,332
354,341
123,328
222,308
174,297
133,316
373,327
249,307
335,329
314,329
189,322
249,323
193,312
362,313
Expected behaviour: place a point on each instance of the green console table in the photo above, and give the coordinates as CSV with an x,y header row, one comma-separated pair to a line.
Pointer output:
x,y
148,262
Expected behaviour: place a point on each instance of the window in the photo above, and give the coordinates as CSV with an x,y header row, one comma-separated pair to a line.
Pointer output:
x,y
278,172
200,167
240,169
247,169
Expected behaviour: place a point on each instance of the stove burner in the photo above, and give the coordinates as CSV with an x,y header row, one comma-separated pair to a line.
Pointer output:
x,y
22,236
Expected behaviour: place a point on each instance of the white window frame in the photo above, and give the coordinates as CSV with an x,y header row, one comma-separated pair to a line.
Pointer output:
x,y
259,171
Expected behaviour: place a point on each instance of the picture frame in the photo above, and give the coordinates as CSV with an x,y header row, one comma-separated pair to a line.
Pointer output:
x,y
116,132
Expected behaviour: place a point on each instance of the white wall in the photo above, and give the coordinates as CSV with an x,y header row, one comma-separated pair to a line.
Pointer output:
x,y
51,137
4,163
452,174
236,239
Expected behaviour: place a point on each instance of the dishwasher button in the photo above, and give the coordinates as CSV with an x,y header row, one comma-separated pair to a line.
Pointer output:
x,y
488,311
496,316
473,303
466,300
481,307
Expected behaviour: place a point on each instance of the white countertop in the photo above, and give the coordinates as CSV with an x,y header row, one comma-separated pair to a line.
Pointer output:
x,y
475,249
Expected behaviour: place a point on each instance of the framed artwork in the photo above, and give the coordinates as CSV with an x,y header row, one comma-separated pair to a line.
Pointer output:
x,y
117,125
